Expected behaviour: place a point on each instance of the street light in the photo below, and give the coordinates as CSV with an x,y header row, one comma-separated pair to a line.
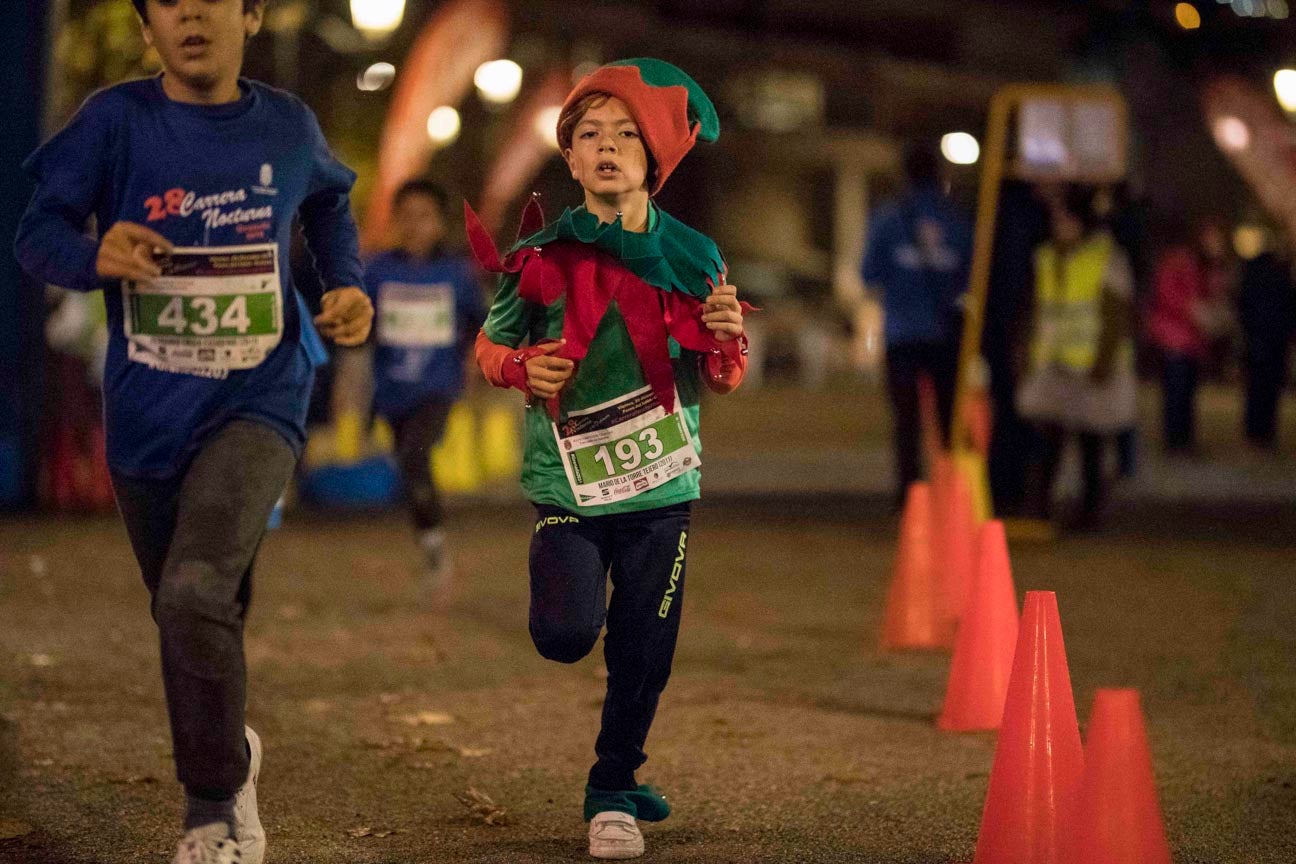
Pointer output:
x,y
377,18
379,76
498,81
960,148
1187,16
1231,134
443,125
1284,81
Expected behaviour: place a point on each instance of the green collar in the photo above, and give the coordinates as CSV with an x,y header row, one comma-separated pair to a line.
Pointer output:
x,y
670,255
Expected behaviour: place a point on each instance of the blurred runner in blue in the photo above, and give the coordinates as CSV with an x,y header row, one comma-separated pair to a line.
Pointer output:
x,y
917,256
429,307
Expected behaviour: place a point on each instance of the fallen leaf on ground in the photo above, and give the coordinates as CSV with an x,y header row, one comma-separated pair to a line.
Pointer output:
x,y
475,752
368,831
482,806
427,718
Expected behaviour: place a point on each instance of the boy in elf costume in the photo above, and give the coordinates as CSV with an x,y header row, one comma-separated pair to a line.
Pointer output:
x,y
624,313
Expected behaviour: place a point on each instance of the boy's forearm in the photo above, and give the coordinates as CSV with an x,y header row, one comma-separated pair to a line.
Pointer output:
x,y
495,361
332,240
51,249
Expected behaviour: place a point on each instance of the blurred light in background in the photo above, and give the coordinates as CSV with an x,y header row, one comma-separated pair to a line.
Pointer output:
x,y
1278,9
1231,134
377,18
1285,88
498,81
960,148
379,76
1249,241
1187,16
443,125
546,125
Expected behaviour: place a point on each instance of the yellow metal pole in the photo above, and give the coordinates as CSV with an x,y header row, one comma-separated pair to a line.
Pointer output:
x,y
992,173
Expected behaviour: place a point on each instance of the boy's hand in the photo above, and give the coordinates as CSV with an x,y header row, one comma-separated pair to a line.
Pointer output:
x,y
347,316
546,375
126,252
722,313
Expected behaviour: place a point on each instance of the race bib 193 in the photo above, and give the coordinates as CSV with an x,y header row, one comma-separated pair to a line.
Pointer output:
x,y
211,310
622,448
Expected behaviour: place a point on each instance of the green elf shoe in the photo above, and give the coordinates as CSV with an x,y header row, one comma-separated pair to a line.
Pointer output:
x,y
645,803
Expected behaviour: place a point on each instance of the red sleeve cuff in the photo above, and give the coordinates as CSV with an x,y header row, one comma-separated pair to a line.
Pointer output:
x,y
725,365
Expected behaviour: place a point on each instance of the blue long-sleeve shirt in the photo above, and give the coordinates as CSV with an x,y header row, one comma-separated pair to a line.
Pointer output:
x,y
426,314
200,175
918,253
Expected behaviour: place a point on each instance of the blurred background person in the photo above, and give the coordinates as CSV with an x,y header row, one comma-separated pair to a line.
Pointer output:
x,y
1267,319
1080,378
1189,313
917,256
428,307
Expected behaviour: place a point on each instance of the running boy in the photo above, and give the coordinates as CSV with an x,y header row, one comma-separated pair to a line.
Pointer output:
x,y
428,306
193,178
626,312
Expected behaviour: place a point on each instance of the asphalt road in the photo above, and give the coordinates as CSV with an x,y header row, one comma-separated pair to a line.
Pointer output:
x,y
784,736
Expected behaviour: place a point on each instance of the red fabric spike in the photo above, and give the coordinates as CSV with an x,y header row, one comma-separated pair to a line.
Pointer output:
x,y
479,239
532,218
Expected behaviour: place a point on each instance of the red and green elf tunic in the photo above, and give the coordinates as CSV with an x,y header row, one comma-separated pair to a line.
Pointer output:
x,y
629,306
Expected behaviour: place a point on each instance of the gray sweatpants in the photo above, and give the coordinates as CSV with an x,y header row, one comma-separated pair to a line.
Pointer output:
x,y
195,537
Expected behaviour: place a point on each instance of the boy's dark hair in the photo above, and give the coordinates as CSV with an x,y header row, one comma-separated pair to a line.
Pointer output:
x,y
426,188
921,164
141,7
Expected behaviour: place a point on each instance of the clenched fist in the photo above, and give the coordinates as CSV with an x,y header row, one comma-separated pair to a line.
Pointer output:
x,y
126,251
347,316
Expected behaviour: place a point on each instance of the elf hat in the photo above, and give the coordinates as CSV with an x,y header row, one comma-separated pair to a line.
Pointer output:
x,y
671,109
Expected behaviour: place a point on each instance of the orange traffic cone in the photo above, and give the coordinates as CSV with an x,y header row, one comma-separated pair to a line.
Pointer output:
x,y
955,543
910,620
1038,761
983,651
1117,819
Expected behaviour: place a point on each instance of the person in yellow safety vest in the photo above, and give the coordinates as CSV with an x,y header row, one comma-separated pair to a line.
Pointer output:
x,y
1080,375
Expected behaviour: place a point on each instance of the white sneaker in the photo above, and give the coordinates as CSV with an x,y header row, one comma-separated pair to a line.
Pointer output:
x,y
208,844
613,834
437,573
247,823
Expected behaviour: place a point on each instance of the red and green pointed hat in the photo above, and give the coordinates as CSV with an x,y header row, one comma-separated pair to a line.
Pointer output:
x,y
672,110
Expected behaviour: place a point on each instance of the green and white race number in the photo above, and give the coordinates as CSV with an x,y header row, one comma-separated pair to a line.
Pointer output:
x,y
416,316
211,310
615,451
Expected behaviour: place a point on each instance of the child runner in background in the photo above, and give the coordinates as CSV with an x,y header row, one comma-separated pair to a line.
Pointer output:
x,y
624,313
428,307
193,178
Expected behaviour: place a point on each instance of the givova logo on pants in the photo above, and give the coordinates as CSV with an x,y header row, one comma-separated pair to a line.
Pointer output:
x,y
676,569
556,520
